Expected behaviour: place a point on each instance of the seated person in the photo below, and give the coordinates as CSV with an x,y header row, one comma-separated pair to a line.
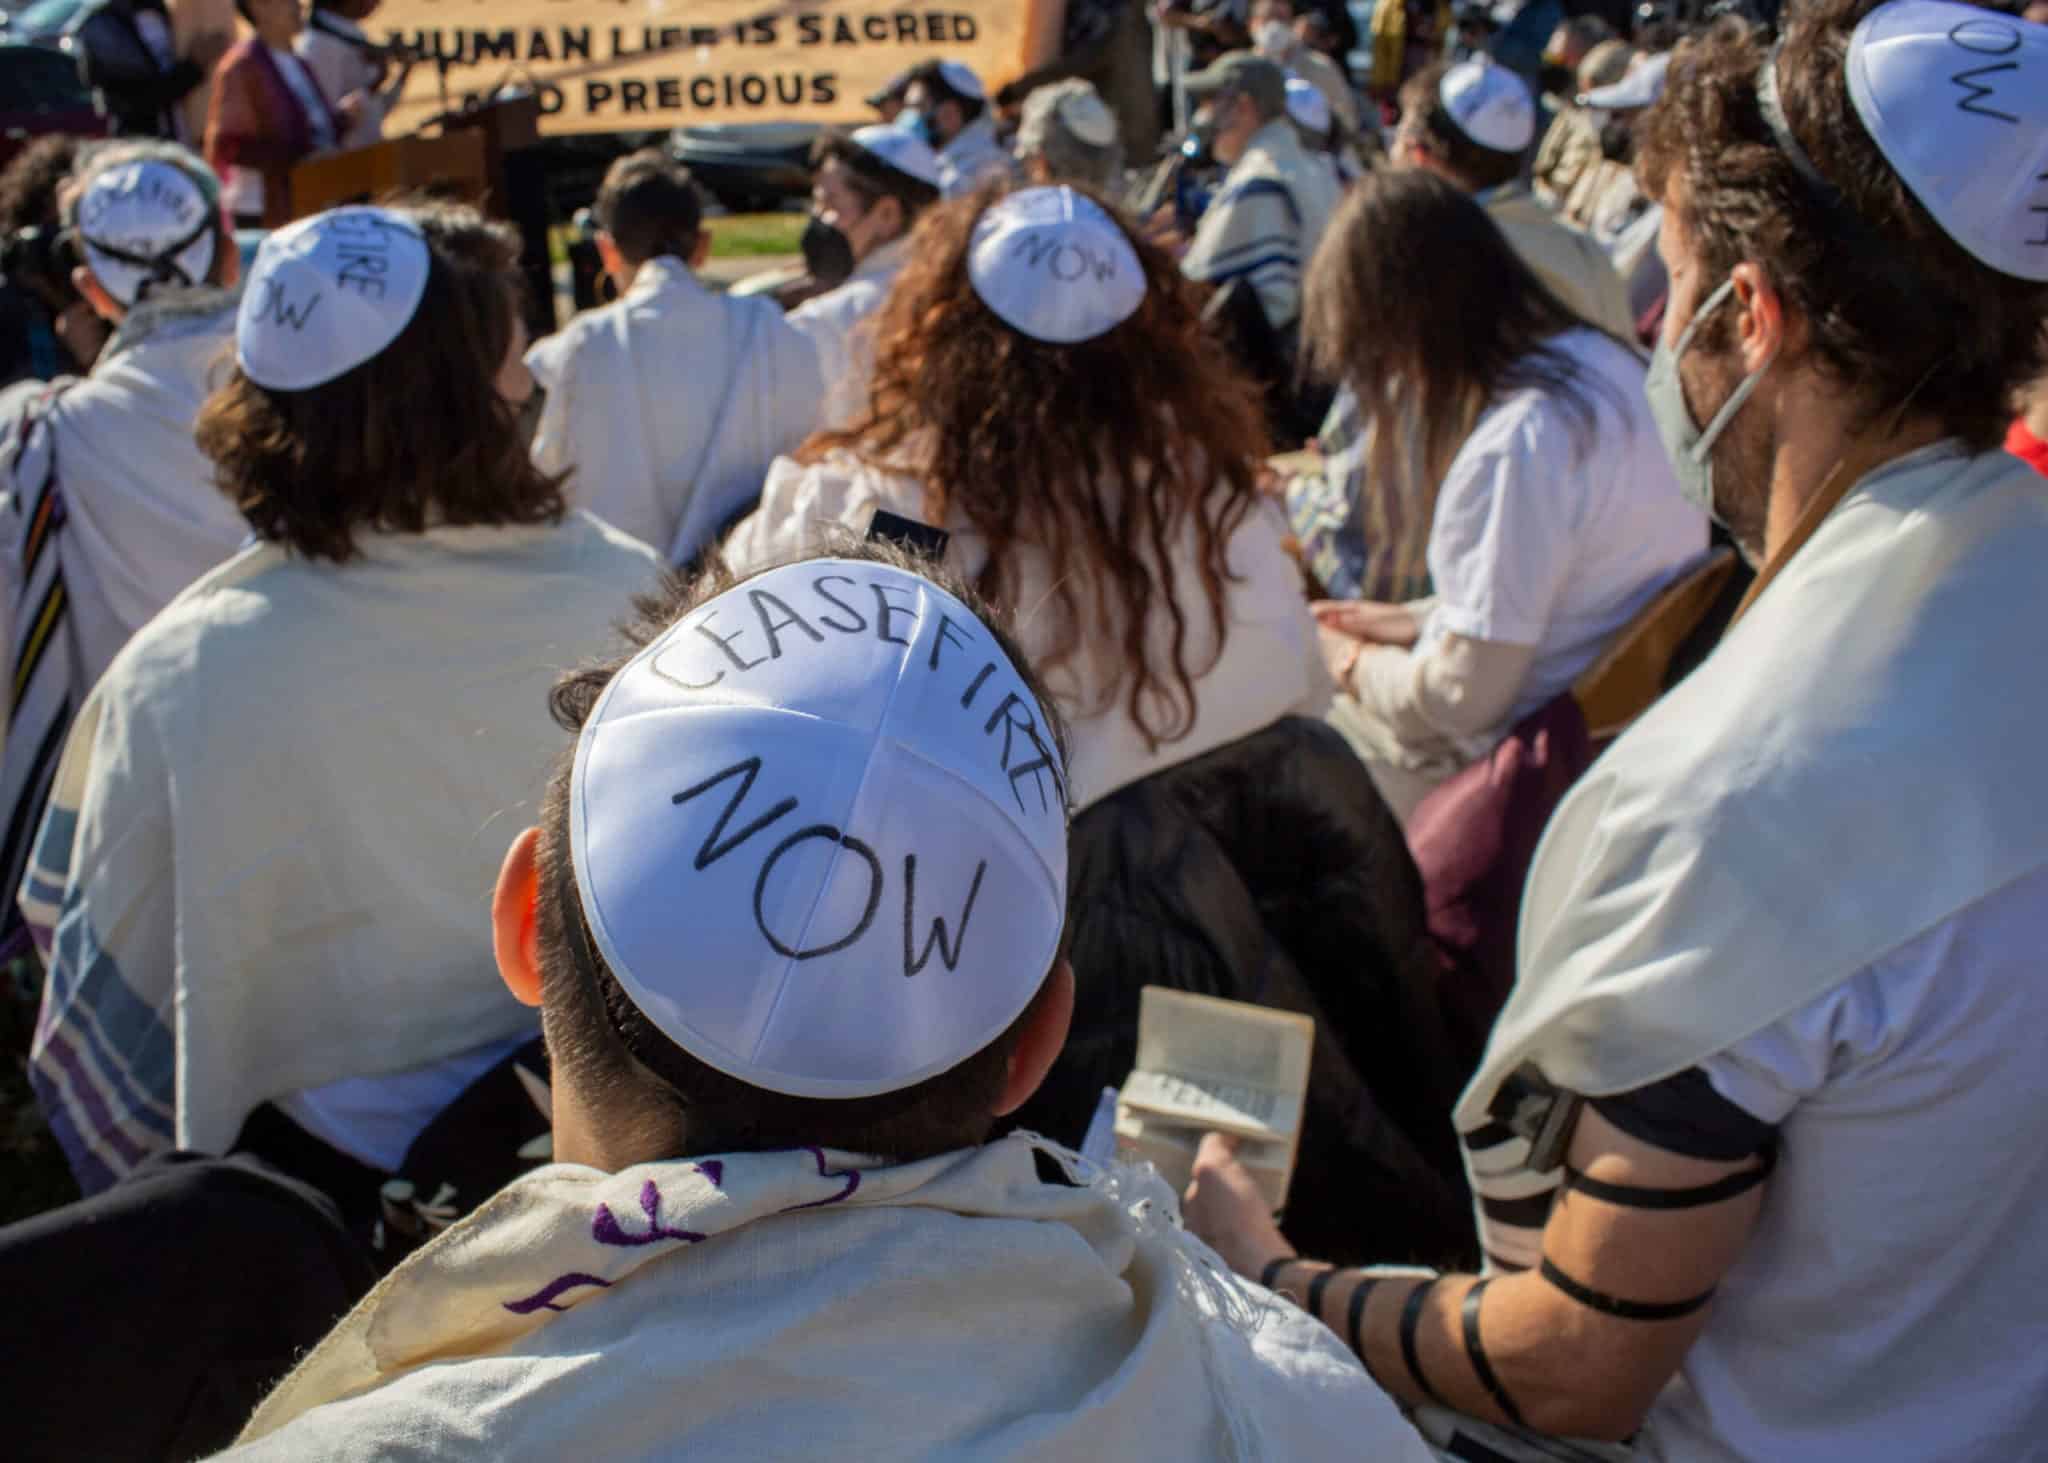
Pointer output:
x,y
256,886
1758,1137
777,1229
1067,135
140,517
1556,515
867,189
665,408
1091,455
946,107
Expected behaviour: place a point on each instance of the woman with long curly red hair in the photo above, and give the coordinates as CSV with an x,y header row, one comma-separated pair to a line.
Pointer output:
x,y
1043,391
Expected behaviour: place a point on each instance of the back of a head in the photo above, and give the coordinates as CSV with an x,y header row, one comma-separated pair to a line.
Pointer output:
x,y
365,394
1068,125
1085,436
649,206
1605,64
1475,118
1413,283
1899,313
146,216
835,929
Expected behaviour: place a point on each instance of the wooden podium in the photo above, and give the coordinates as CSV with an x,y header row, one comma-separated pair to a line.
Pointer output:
x,y
479,157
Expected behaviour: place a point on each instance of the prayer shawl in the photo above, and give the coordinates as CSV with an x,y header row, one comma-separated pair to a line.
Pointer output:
x,y
269,853
1269,666
1569,261
107,511
972,158
668,406
1856,762
809,1305
1264,222
836,324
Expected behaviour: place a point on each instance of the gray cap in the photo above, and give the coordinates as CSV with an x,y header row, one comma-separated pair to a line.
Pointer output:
x,y
1241,71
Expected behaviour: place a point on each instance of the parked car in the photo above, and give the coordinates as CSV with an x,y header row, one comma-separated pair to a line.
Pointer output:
x,y
749,167
44,23
40,92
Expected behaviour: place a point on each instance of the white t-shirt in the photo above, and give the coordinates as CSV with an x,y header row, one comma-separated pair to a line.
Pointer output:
x,y
1889,1303
1536,542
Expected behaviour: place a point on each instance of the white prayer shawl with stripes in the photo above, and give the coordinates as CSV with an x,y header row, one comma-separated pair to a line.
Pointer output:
x,y
1265,221
1856,762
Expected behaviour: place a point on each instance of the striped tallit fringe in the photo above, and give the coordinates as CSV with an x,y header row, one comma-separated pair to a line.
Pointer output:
x,y
42,696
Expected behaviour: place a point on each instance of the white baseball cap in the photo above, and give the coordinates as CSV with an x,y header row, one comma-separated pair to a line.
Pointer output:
x,y
1054,265
1641,87
1308,106
820,832
961,78
1956,98
328,293
144,224
1489,104
904,151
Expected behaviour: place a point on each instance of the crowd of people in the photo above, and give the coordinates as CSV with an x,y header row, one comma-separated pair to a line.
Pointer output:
x,y
582,895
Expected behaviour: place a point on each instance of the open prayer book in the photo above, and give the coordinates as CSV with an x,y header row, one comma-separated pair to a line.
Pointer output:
x,y
1206,1065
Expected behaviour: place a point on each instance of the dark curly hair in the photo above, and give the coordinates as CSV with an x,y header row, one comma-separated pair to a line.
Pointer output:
x,y
417,436
1097,454
1898,311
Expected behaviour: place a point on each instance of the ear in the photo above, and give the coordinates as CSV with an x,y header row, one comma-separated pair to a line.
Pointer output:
x,y
702,251
103,304
1043,1037
1763,328
614,262
514,936
228,265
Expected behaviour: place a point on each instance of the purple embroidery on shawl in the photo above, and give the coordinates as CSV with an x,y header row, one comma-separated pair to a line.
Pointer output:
x,y
712,1169
851,1175
605,1229
544,1298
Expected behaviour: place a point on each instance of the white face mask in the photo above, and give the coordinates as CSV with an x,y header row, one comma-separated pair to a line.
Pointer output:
x,y
1275,38
1691,448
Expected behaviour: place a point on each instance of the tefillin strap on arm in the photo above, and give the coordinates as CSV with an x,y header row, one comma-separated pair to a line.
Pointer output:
x,y
1632,1196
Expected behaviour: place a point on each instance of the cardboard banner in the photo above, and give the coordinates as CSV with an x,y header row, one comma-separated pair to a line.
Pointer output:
x,y
646,65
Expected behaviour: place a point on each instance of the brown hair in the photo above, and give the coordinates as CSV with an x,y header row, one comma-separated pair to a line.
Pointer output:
x,y
1416,301
649,206
1478,167
624,1062
872,178
1098,454
1895,309
416,436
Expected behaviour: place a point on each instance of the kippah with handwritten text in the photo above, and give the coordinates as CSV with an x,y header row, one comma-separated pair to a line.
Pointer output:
x,y
820,832
1054,265
328,293
1956,97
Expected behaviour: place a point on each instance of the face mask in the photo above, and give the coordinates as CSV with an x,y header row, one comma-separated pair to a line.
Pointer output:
x,y
828,252
1275,38
1690,449
918,123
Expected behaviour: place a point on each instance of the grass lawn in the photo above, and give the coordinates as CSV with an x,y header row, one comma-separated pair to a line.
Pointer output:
x,y
751,235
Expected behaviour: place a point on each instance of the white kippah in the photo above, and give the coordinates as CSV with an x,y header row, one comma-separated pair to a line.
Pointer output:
x,y
1490,104
1087,117
328,293
904,151
1053,265
961,78
820,832
1956,98
1308,106
138,212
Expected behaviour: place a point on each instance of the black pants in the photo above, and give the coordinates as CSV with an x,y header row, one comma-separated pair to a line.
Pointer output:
x,y
147,1322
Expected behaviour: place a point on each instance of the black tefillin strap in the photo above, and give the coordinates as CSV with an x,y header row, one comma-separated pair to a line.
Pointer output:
x,y
1631,1196
163,265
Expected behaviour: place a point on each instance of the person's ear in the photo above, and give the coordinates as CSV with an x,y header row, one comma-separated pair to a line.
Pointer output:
x,y
1763,328
614,262
515,937
1040,1043
95,294
702,250
228,256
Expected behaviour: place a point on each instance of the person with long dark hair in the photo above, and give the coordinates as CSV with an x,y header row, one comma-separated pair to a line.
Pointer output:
x,y
1553,513
1092,454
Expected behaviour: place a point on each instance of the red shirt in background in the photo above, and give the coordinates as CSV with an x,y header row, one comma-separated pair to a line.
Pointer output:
x,y
2028,448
